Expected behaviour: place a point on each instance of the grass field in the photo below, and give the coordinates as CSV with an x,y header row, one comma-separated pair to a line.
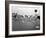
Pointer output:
x,y
21,24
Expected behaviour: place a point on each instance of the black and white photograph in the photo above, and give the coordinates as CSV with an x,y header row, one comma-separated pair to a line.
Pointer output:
x,y
25,18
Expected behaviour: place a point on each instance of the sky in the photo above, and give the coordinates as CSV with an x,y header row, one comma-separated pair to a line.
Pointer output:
x,y
25,10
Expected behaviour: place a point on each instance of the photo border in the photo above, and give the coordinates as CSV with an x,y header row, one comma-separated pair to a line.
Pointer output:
x,y
7,18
